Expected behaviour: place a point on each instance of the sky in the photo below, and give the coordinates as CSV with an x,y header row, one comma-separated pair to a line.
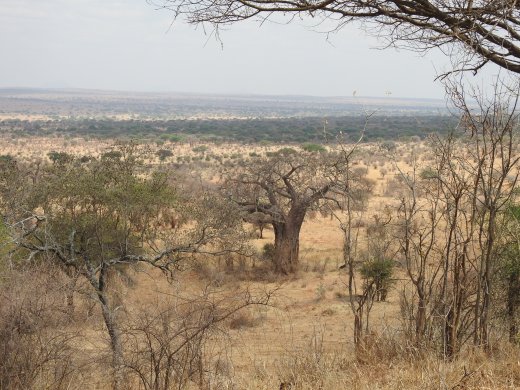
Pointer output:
x,y
128,45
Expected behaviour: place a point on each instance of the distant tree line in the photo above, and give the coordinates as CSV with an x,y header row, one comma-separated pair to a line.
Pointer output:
x,y
243,130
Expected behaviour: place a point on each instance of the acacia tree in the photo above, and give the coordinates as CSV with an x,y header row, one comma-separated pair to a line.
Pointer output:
x,y
259,220
100,216
489,31
285,187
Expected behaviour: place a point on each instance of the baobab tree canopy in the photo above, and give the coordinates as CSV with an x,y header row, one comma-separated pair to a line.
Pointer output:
x,y
286,186
487,30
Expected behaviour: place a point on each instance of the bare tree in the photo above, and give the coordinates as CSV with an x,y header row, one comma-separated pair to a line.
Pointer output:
x,y
448,236
494,161
352,198
488,30
451,199
417,228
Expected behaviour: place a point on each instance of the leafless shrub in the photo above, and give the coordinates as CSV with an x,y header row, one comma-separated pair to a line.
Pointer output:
x,y
263,273
359,223
394,187
320,266
328,312
36,348
210,272
168,348
244,319
386,347
310,367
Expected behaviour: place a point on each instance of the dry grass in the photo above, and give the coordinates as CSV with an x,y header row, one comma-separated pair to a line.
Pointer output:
x,y
305,339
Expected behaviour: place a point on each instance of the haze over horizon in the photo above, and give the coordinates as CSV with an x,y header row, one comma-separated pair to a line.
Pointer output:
x,y
130,46
172,93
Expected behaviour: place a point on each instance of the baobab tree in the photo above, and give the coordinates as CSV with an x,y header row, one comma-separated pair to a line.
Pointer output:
x,y
285,187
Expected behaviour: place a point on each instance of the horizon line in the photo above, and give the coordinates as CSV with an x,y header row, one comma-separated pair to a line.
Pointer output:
x,y
237,94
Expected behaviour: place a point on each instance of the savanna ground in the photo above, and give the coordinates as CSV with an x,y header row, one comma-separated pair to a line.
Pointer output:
x,y
303,337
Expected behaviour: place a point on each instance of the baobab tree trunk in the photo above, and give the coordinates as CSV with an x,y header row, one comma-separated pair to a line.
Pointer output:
x,y
286,248
287,241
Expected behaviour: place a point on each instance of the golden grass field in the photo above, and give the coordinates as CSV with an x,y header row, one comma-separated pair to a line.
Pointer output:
x,y
305,337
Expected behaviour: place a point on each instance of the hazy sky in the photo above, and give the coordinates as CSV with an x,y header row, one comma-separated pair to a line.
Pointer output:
x,y
128,45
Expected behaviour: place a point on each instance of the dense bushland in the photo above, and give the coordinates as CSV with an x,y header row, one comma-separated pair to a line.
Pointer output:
x,y
305,129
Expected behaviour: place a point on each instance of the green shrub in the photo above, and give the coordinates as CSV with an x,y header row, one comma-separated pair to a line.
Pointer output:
x,y
286,151
268,251
313,148
377,274
428,173
163,154
59,157
200,149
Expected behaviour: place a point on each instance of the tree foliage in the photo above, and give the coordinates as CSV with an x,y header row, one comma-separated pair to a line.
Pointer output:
x,y
95,217
293,129
489,31
285,186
